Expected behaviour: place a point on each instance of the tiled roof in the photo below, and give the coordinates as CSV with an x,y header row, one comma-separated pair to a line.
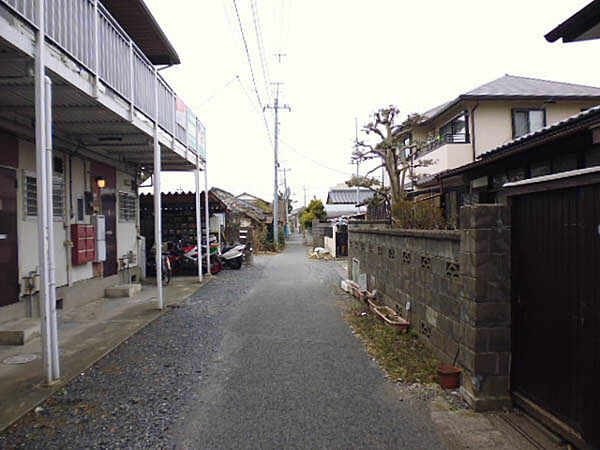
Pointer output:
x,y
347,196
235,204
511,86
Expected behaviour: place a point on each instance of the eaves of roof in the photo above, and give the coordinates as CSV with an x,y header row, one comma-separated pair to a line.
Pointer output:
x,y
576,26
137,21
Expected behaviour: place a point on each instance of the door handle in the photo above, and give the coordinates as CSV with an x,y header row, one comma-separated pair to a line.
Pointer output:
x,y
3,236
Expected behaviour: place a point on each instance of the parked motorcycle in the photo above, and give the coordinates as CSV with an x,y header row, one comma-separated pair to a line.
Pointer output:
x,y
233,256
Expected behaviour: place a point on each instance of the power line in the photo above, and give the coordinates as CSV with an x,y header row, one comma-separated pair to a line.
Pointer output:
x,y
215,92
257,29
237,13
261,113
312,160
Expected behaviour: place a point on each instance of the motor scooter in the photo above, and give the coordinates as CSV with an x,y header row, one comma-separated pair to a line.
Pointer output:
x,y
233,256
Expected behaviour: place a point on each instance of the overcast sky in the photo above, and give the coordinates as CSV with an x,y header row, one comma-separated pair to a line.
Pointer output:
x,y
344,59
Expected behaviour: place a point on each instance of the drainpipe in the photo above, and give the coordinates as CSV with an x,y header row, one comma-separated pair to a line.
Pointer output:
x,y
68,214
40,161
473,128
50,214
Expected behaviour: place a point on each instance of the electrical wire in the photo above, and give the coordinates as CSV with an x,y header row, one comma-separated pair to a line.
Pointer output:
x,y
312,160
259,112
261,51
215,92
237,13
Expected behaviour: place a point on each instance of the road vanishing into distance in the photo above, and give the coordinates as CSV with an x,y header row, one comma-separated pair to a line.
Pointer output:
x,y
259,357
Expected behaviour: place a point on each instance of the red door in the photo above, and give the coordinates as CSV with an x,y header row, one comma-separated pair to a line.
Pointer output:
x,y
9,262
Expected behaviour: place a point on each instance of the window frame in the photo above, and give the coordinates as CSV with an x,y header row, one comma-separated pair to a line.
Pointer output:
x,y
57,178
513,111
450,123
125,218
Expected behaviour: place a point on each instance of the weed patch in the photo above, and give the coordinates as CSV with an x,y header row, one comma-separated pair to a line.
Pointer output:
x,y
403,356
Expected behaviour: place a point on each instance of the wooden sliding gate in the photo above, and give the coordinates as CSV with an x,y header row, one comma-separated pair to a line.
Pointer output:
x,y
556,300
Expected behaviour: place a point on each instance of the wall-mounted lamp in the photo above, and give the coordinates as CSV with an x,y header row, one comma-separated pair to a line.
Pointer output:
x,y
101,182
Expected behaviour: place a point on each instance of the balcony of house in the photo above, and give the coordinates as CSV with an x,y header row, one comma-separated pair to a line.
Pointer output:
x,y
107,94
444,152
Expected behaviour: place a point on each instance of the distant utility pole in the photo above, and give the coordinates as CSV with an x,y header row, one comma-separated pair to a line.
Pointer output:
x,y
279,56
286,196
276,193
304,189
357,161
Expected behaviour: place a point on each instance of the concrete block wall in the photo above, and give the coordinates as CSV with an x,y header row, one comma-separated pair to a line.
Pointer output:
x,y
457,284
318,233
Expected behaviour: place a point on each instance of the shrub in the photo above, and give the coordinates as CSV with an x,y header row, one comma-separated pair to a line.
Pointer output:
x,y
420,215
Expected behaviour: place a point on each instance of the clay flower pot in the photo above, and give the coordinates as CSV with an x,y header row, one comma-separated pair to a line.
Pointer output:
x,y
449,377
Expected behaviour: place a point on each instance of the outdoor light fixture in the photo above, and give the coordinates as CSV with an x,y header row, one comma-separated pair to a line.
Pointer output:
x,y
101,182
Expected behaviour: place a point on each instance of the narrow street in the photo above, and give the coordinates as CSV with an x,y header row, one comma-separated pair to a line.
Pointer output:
x,y
258,358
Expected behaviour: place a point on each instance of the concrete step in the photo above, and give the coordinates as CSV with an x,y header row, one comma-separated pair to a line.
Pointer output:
x,y
122,290
19,332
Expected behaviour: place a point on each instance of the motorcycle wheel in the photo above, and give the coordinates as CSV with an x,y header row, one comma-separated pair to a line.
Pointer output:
x,y
236,263
215,266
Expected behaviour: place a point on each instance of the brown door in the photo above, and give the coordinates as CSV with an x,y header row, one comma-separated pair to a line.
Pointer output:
x,y
9,263
105,203
556,304
108,209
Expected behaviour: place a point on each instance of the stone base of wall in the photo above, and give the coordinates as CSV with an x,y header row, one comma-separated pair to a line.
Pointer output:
x,y
454,287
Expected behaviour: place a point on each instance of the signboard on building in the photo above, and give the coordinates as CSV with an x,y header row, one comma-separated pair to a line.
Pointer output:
x,y
201,141
180,112
192,130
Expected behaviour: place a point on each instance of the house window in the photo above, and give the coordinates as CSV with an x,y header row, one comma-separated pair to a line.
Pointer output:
x,y
527,120
30,195
456,131
126,207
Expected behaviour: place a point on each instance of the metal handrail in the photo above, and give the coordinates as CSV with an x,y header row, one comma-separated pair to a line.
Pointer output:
x,y
109,54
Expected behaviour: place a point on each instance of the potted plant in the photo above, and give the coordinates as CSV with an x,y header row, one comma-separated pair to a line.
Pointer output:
x,y
450,375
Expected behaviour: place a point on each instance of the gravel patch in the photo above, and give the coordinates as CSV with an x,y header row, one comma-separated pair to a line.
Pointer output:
x,y
132,397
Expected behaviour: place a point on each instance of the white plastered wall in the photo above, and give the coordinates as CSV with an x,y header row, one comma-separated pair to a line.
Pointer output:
x,y
27,226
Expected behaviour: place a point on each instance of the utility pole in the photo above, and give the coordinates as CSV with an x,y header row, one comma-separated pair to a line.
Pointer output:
x,y
286,196
357,161
304,189
276,193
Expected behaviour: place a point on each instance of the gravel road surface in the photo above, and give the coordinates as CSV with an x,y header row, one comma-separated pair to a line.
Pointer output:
x,y
258,358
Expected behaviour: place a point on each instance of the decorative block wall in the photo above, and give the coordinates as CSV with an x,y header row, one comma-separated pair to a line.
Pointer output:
x,y
456,285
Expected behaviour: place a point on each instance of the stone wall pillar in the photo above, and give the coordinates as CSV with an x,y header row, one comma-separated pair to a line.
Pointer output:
x,y
485,349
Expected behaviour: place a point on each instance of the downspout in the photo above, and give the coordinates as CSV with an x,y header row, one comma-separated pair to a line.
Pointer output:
x,y
50,219
68,216
473,130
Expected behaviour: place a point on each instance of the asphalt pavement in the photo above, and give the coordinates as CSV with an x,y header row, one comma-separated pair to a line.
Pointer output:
x,y
258,358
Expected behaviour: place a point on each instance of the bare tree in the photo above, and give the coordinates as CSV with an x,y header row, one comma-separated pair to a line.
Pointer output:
x,y
397,154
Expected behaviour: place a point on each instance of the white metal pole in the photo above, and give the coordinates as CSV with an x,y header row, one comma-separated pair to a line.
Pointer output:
x,y
50,219
157,200
198,219
40,161
206,216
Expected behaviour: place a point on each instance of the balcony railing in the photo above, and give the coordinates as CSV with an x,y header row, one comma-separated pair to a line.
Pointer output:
x,y
87,32
442,140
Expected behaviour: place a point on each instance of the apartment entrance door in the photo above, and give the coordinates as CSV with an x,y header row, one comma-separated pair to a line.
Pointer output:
x,y
9,255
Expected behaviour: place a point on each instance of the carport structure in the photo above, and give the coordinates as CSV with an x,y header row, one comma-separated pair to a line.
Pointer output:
x,y
82,77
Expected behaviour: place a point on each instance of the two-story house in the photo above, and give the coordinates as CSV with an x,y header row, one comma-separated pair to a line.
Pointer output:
x,y
85,118
457,132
